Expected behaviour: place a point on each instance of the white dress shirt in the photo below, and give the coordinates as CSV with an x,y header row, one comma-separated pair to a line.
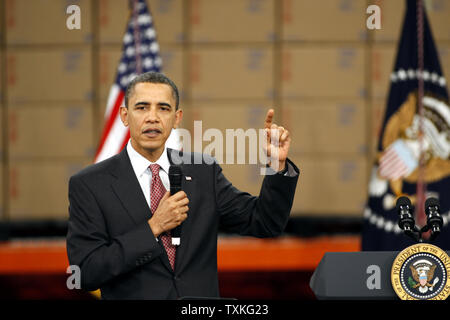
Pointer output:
x,y
144,174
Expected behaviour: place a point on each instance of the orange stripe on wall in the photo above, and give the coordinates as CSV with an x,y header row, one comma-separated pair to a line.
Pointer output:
x,y
234,254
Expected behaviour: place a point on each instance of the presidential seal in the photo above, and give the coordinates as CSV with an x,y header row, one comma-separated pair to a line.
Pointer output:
x,y
421,272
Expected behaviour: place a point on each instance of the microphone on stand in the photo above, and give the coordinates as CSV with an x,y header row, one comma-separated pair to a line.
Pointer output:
x,y
175,176
404,209
434,218
406,221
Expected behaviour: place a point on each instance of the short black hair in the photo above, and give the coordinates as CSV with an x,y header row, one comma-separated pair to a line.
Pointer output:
x,y
152,77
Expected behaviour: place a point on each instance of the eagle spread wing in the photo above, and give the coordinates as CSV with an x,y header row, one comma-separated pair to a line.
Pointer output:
x,y
430,274
415,274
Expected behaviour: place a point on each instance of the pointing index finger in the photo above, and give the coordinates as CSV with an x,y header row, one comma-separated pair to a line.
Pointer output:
x,y
269,117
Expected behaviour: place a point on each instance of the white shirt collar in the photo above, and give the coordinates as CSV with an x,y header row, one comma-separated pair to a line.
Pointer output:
x,y
141,165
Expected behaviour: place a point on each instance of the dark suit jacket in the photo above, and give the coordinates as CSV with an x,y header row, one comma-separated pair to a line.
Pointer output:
x,y
110,240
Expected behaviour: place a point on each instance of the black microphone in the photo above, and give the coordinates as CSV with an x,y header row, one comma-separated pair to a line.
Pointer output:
x,y
434,218
175,176
404,209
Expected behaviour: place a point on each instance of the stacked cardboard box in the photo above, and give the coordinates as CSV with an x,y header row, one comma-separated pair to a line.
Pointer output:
x,y
315,62
38,189
46,74
2,191
213,21
326,127
49,104
39,130
326,20
2,181
438,12
43,22
167,17
2,146
334,185
238,72
323,69
444,55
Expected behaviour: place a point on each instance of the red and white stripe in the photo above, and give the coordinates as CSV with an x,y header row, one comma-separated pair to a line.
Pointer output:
x,y
391,165
115,135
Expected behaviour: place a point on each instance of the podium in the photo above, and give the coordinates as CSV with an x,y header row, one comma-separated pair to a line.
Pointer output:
x,y
354,276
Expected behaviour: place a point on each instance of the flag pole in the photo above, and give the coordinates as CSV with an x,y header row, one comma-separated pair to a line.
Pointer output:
x,y
421,187
137,38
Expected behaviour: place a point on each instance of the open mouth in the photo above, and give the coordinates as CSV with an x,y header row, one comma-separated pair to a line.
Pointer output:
x,y
152,132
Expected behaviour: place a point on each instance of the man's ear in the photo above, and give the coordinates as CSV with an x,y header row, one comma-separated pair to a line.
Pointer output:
x,y
124,115
178,118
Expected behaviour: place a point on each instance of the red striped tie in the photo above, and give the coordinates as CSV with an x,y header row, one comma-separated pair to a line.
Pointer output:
x,y
157,191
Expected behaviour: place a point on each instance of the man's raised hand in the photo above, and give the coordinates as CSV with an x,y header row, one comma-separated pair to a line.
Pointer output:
x,y
278,142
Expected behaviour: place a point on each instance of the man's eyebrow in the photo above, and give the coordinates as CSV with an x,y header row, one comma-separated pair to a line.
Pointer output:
x,y
142,102
146,103
164,104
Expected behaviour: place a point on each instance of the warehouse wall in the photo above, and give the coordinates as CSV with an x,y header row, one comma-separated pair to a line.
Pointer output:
x,y
315,62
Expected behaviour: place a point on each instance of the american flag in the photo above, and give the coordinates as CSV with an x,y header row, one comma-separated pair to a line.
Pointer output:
x,y
140,54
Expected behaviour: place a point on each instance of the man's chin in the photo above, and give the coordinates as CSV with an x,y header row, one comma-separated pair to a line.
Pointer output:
x,y
150,147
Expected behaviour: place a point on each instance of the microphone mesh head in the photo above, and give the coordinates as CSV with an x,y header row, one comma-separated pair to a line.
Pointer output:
x,y
403,201
431,202
175,175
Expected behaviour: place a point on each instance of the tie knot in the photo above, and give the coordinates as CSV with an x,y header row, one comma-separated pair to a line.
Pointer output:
x,y
155,168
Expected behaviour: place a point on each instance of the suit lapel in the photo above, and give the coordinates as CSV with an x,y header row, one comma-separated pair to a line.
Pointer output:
x,y
128,189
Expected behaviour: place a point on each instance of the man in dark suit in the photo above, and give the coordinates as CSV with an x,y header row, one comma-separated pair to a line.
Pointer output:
x,y
121,215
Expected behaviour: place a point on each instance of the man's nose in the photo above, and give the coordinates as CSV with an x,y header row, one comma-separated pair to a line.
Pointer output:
x,y
151,115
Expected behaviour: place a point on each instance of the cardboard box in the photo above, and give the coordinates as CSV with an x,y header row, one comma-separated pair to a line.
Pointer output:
x,y
109,59
45,22
382,65
438,12
49,75
231,115
232,20
236,72
393,14
330,186
323,71
167,17
108,62
246,177
56,130
39,189
444,59
2,133
2,188
325,20
377,111
1,72
326,126
216,119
